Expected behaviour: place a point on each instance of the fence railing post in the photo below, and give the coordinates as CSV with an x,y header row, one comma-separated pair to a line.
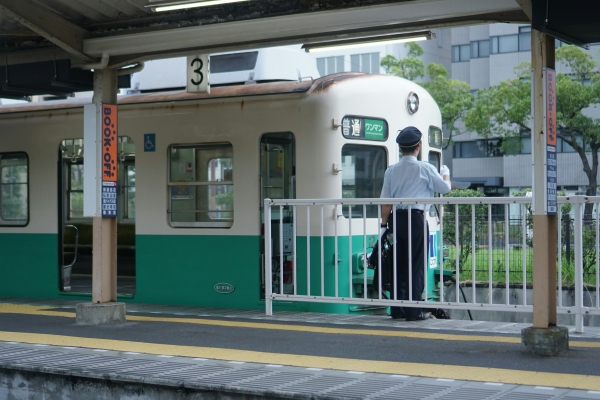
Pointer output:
x,y
268,259
578,265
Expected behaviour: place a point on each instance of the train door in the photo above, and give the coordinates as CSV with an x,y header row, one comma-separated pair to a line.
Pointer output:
x,y
75,239
278,181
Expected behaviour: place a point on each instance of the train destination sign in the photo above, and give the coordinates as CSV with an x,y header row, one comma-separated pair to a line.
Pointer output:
x,y
551,167
109,160
364,128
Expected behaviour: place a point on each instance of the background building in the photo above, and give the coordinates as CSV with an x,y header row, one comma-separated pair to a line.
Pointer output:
x,y
484,56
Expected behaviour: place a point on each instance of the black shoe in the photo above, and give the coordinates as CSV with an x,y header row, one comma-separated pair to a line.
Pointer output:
x,y
417,318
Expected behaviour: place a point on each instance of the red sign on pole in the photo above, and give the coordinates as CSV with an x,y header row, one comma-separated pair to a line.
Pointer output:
x,y
550,107
109,160
109,142
551,159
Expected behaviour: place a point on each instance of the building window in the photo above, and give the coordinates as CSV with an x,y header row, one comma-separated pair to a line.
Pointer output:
x,y
201,185
478,149
14,185
461,53
363,168
508,44
525,38
480,49
526,145
330,65
512,43
368,63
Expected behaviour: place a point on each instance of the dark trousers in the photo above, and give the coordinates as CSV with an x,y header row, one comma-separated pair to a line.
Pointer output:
x,y
418,258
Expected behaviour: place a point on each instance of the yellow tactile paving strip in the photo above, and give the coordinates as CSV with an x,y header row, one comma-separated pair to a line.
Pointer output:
x,y
584,382
518,377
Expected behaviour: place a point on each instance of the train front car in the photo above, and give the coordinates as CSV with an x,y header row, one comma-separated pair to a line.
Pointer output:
x,y
194,171
348,140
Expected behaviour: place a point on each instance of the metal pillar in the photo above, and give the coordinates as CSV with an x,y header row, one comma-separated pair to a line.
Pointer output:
x,y
104,262
544,226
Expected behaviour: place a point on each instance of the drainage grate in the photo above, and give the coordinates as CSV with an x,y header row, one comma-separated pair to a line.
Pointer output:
x,y
516,395
469,394
276,380
412,391
319,384
234,377
196,372
365,388
154,369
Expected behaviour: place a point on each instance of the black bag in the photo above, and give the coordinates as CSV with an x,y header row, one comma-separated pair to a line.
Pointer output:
x,y
387,261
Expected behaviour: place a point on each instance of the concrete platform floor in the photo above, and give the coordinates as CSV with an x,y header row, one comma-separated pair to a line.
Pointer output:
x,y
298,354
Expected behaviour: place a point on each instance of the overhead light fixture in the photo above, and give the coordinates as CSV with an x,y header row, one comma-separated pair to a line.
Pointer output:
x,y
180,5
368,41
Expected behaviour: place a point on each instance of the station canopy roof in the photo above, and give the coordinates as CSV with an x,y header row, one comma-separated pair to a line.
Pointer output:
x,y
36,34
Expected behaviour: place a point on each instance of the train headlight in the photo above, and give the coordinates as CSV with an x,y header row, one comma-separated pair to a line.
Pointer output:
x,y
412,103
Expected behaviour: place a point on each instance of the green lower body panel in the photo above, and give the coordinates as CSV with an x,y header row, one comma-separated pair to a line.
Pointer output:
x,y
196,270
207,271
29,265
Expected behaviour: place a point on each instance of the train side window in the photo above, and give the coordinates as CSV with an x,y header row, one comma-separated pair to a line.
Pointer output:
x,y
75,191
14,184
126,151
363,168
434,159
201,185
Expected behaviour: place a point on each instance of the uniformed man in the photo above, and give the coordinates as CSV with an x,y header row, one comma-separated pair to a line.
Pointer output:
x,y
410,178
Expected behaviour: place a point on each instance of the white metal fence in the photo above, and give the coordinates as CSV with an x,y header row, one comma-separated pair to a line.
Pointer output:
x,y
486,246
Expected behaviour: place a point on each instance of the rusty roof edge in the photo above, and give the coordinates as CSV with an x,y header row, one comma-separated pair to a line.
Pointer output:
x,y
223,92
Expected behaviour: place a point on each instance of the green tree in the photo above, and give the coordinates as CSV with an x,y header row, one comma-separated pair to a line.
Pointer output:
x,y
411,67
465,227
504,110
452,96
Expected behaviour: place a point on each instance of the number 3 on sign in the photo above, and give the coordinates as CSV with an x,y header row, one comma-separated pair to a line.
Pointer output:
x,y
198,70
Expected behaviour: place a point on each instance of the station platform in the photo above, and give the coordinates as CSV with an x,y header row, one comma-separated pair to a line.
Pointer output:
x,y
168,351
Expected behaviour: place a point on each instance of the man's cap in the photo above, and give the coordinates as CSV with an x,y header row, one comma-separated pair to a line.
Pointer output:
x,y
409,137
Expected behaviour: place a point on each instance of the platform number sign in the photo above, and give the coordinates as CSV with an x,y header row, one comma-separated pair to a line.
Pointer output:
x,y
198,71
109,160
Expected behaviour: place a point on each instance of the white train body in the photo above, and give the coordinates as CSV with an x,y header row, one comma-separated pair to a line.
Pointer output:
x,y
181,263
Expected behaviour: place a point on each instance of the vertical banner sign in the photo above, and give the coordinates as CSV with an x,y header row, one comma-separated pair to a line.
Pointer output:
x,y
198,71
551,167
109,160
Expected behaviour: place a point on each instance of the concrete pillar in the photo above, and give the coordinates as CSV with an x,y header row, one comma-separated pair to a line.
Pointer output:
x,y
104,309
544,337
104,262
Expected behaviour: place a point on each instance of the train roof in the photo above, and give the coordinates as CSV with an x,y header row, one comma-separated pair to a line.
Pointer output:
x,y
262,89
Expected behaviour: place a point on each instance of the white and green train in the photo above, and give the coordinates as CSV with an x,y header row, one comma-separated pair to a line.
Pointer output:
x,y
194,170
